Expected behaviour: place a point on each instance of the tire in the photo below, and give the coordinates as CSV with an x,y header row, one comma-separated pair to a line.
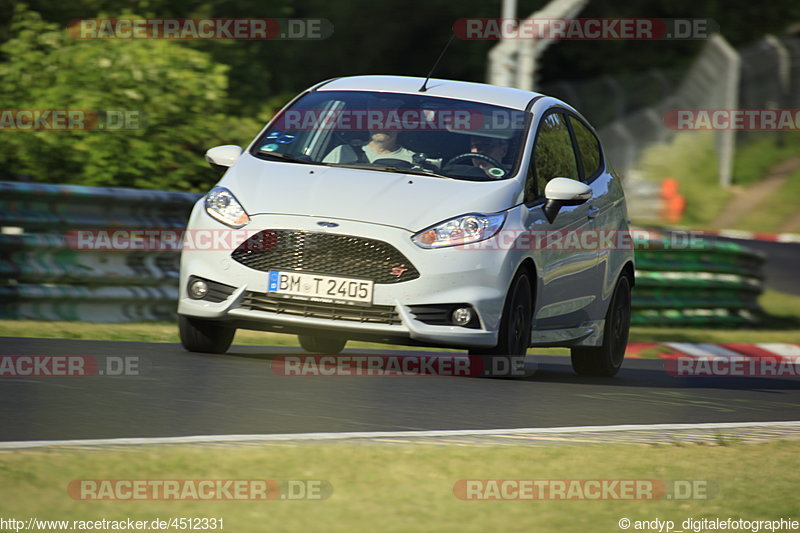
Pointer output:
x,y
204,336
515,330
322,345
606,360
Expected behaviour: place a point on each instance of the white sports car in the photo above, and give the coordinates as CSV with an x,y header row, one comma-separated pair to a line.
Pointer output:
x,y
449,214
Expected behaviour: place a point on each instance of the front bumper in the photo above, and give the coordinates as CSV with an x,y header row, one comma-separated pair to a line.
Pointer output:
x,y
452,275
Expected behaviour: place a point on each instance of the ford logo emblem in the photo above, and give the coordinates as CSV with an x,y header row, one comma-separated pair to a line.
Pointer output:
x,y
328,224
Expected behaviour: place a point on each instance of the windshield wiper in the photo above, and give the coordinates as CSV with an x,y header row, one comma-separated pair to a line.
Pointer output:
x,y
396,170
285,157
423,172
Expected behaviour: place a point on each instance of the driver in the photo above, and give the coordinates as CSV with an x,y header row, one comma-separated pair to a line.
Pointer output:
x,y
491,146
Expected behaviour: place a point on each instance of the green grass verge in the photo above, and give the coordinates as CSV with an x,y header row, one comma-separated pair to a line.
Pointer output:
x,y
690,158
782,308
168,332
404,488
756,155
771,214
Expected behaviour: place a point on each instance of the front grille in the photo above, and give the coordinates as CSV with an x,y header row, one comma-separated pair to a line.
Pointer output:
x,y
325,254
372,314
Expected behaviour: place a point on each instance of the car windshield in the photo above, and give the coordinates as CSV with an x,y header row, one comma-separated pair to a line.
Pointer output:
x,y
398,133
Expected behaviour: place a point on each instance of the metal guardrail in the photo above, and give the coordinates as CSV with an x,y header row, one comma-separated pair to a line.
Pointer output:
x,y
43,276
711,283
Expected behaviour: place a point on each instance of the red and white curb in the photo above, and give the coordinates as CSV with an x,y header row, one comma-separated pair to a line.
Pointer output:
x,y
771,350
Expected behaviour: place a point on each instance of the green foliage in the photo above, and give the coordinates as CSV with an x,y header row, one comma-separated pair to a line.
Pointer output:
x,y
180,93
381,485
690,159
759,152
194,93
776,210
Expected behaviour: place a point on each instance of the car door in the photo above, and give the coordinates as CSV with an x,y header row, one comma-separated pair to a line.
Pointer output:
x,y
605,207
567,268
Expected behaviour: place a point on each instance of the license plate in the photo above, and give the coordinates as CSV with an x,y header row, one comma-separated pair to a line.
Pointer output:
x,y
316,288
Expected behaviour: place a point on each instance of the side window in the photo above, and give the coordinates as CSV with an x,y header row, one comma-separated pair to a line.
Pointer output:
x,y
553,155
588,146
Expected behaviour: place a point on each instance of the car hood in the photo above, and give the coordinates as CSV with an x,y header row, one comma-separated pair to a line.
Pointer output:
x,y
405,201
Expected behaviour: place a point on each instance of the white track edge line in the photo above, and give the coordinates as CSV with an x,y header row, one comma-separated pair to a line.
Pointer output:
x,y
281,437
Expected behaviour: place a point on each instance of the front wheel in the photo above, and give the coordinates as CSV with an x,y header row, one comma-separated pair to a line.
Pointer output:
x,y
322,345
204,336
505,359
605,360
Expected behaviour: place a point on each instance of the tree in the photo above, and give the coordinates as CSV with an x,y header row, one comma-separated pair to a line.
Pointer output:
x,y
179,93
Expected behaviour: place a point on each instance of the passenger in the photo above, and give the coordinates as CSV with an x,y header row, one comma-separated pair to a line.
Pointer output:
x,y
382,145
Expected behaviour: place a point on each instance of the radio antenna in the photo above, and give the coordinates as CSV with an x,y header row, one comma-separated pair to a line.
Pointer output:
x,y
441,55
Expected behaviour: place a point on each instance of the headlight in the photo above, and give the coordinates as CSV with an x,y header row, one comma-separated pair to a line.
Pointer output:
x,y
223,205
460,230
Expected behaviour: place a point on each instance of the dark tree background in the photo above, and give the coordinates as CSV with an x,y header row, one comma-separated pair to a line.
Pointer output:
x,y
223,91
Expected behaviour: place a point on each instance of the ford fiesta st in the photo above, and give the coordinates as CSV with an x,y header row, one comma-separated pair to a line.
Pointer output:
x,y
450,214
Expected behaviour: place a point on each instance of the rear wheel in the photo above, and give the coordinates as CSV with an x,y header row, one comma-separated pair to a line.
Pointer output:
x,y
606,360
204,336
515,331
322,345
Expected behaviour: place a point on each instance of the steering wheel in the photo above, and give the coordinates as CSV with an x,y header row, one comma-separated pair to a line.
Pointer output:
x,y
476,155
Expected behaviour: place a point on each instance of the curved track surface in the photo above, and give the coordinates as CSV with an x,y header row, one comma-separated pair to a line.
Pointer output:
x,y
178,394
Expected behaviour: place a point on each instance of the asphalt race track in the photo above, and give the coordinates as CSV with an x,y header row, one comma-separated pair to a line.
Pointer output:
x,y
178,394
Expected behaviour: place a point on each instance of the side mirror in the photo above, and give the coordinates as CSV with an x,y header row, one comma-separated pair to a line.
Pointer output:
x,y
564,191
222,157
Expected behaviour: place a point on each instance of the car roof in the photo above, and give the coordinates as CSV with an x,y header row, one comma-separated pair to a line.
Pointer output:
x,y
460,90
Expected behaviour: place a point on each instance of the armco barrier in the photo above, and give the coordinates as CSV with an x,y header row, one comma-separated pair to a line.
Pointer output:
x,y
715,285
42,277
